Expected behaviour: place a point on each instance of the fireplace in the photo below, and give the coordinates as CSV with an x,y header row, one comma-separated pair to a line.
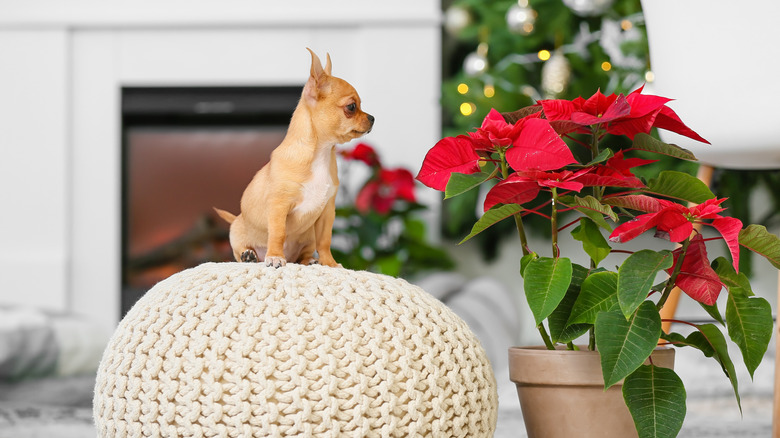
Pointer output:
x,y
186,150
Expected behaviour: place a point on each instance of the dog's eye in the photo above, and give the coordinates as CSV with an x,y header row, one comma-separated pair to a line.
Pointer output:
x,y
351,107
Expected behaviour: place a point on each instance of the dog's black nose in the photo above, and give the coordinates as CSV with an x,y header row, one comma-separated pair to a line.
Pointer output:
x,y
370,118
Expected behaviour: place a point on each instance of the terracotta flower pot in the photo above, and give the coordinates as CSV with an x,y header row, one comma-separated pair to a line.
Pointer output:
x,y
562,393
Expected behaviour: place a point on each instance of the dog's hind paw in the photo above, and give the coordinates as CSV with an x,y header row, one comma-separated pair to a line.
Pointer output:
x,y
276,262
249,256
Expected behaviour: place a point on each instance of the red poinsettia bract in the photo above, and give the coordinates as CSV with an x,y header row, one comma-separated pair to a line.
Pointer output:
x,y
696,277
675,223
522,187
618,114
530,144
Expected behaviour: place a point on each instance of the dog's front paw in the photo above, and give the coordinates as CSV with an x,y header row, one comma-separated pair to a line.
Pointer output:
x,y
249,256
276,262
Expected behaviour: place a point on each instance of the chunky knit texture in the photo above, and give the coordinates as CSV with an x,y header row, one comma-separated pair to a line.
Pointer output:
x,y
242,350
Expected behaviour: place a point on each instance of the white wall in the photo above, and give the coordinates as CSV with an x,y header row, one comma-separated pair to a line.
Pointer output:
x,y
33,167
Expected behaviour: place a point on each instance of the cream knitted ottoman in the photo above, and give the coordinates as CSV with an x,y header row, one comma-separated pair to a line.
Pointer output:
x,y
242,350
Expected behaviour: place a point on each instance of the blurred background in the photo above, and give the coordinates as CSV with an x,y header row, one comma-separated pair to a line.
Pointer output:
x,y
123,123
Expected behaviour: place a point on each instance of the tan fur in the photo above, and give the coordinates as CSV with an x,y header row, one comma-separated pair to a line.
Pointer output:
x,y
287,211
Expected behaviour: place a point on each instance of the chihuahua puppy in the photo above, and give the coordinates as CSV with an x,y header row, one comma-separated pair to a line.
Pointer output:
x,y
288,208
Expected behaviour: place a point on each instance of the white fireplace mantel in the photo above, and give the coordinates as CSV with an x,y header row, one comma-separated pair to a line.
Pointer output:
x,y
200,13
63,64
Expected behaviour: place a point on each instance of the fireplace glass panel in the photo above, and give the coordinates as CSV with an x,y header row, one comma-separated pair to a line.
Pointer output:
x,y
185,153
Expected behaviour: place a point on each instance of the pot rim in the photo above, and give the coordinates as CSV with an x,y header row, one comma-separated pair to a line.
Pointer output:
x,y
534,365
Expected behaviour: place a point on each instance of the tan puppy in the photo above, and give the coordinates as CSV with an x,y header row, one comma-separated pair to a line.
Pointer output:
x,y
287,211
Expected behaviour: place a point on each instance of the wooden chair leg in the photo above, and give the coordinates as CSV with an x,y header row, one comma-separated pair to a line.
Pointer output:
x,y
670,308
776,406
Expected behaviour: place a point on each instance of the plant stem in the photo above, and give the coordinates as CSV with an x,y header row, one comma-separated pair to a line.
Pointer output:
x,y
594,152
518,216
598,193
545,337
592,339
521,233
554,222
673,278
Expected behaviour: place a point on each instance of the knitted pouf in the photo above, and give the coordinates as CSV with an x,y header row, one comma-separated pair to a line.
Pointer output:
x,y
242,350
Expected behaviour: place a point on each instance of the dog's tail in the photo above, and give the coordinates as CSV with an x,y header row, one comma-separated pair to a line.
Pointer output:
x,y
226,215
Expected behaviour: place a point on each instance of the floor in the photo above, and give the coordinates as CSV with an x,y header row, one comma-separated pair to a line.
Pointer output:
x,y
60,408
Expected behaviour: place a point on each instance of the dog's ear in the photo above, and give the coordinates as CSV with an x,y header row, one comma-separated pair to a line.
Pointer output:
x,y
328,65
318,82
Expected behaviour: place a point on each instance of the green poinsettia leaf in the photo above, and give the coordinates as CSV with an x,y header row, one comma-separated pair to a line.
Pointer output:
x,y
717,342
646,142
460,183
525,260
560,330
750,324
593,242
624,345
655,397
599,294
713,311
545,282
636,277
757,239
679,185
492,217
695,340
592,208
603,156
736,283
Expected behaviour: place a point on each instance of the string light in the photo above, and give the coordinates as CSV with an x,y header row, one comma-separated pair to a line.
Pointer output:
x,y
606,66
463,88
544,55
626,24
489,90
467,108
649,76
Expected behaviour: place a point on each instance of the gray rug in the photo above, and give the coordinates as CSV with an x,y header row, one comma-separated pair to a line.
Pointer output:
x,y
61,407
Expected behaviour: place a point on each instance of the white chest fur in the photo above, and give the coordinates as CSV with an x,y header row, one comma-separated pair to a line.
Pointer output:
x,y
319,188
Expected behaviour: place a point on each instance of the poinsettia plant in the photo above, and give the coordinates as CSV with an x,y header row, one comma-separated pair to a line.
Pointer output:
x,y
531,155
379,228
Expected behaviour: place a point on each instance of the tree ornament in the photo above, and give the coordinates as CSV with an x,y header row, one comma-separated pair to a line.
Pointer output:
x,y
457,18
588,8
556,74
520,18
476,63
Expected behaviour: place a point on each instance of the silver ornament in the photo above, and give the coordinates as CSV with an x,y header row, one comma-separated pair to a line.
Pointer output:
x,y
556,74
476,63
520,19
588,8
456,18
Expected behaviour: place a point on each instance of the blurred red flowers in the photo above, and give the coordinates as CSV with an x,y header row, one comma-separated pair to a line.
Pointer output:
x,y
385,186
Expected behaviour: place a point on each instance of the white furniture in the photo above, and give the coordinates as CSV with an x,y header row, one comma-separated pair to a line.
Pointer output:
x,y
63,66
716,59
